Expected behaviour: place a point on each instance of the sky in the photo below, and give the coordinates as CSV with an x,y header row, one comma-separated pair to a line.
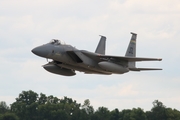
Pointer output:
x,y
25,24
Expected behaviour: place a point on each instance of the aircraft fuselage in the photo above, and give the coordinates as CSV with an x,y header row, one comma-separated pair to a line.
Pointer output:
x,y
61,56
68,59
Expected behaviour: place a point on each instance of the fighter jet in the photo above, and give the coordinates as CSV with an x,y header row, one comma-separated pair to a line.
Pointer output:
x,y
66,59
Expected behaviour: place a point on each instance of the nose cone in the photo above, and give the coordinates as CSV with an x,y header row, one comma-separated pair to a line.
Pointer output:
x,y
40,51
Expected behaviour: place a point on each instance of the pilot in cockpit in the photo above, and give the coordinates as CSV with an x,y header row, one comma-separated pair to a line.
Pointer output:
x,y
57,42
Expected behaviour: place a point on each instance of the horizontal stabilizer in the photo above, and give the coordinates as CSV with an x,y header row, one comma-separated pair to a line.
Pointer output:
x,y
143,69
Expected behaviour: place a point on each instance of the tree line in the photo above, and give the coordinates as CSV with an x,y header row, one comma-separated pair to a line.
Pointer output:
x,y
31,106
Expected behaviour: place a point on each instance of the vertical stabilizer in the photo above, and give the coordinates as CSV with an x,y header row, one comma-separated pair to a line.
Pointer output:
x,y
101,46
131,50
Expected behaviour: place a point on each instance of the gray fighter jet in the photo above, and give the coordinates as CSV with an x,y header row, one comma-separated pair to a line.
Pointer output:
x,y
67,59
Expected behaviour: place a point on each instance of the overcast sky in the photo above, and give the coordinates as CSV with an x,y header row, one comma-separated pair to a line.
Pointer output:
x,y
25,24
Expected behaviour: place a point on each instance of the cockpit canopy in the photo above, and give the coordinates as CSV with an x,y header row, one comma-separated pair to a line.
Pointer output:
x,y
57,42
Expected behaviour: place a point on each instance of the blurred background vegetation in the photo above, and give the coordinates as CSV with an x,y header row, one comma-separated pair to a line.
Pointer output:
x,y
31,106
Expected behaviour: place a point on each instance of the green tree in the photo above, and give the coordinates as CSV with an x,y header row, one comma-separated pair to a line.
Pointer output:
x,y
87,107
29,106
9,116
138,114
53,100
42,99
102,113
125,114
158,111
134,114
59,109
26,105
52,112
115,114
172,114
3,107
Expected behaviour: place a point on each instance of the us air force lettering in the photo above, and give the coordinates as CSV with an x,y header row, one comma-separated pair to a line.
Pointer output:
x,y
67,59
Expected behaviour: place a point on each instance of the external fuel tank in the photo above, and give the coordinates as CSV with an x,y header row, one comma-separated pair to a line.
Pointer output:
x,y
112,67
58,70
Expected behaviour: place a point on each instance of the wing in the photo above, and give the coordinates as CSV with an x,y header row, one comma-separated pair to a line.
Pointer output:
x,y
143,69
129,59
118,58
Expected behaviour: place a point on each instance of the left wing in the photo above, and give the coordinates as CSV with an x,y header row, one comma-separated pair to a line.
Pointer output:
x,y
143,69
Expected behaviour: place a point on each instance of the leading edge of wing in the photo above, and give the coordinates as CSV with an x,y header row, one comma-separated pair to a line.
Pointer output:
x,y
130,59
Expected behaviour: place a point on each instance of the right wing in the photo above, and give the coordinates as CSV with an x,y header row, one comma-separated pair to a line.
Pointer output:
x,y
118,58
129,59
